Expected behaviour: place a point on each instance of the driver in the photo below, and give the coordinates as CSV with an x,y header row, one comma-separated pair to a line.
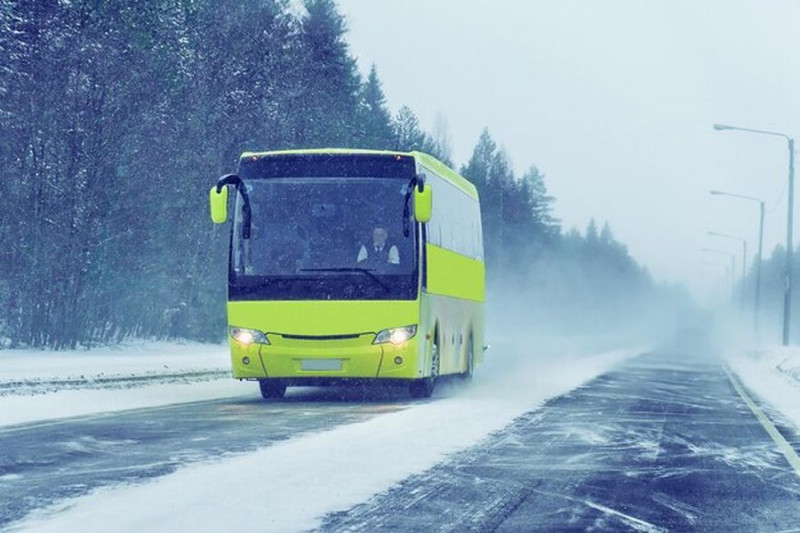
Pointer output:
x,y
380,252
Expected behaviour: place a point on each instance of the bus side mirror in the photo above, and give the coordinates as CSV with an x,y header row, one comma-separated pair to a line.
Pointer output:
x,y
219,204
423,204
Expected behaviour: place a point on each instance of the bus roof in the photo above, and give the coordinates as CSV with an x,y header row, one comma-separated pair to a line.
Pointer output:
x,y
422,158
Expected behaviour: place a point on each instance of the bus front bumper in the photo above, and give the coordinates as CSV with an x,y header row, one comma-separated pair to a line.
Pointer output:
x,y
324,362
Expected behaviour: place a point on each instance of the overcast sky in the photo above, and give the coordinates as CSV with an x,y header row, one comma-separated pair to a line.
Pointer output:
x,y
614,101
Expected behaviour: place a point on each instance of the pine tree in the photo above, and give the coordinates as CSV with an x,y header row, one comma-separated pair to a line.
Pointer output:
x,y
441,144
606,235
331,79
592,237
489,169
375,121
13,50
540,204
480,162
408,134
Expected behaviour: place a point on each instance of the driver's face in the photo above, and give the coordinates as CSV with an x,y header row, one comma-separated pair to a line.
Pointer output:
x,y
379,236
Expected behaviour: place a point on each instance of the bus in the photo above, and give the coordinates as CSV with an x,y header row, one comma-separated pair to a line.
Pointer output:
x,y
351,267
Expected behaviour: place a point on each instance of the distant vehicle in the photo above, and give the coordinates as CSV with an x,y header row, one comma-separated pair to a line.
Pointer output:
x,y
352,266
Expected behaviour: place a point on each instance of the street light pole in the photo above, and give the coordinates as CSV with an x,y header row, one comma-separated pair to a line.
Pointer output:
x,y
757,304
787,294
787,284
744,258
733,265
758,273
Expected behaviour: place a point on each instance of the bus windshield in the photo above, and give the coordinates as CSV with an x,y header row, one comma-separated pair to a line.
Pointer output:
x,y
324,238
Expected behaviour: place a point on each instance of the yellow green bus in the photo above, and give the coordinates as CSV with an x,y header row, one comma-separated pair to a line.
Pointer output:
x,y
351,267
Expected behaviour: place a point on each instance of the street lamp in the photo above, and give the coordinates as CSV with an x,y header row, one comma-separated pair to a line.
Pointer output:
x,y
756,308
787,291
733,264
744,255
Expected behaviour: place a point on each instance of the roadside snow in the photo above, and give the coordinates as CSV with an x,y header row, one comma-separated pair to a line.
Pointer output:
x,y
139,358
20,409
290,485
773,374
32,383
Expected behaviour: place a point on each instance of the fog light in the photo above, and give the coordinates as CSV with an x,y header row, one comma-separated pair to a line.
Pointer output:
x,y
398,360
246,360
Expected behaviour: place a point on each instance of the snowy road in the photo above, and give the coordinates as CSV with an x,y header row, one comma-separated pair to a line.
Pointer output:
x,y
45,462
660,444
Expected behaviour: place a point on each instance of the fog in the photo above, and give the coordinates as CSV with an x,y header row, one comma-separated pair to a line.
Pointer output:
x,y
614,102
627,380
531,325
594,123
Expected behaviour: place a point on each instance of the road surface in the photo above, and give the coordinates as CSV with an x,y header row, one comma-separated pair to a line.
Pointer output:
x,y
45,462
664,442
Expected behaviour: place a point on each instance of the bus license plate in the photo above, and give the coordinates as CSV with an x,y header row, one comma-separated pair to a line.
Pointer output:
x,y
321,364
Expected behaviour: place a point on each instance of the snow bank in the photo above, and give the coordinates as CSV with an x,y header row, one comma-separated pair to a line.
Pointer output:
x,y
34,384
20,409
136,358
774,375
290,485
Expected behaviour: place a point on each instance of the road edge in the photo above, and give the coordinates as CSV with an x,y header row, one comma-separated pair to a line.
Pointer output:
x,y
783,445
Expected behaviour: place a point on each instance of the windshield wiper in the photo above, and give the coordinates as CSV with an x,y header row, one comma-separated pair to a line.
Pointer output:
x,y
366,271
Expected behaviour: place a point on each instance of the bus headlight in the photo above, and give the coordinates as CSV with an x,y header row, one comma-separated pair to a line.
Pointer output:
x,y
248,336
395,335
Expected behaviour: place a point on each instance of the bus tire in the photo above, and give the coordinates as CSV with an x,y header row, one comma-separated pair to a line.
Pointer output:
x,y
271,388
423,388
467,375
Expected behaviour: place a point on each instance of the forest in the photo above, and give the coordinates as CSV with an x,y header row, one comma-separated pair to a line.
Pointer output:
x,y
117,117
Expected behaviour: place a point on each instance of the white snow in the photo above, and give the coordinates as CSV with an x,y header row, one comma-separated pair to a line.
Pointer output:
x,y
21,409
152,360
136,358
774,375
289,486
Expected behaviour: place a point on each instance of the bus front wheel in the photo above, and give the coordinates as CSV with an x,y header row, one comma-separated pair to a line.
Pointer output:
x,y
423,388
271,388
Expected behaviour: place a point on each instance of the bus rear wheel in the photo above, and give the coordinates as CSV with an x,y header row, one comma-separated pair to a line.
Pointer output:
x,y
470,359
271,388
